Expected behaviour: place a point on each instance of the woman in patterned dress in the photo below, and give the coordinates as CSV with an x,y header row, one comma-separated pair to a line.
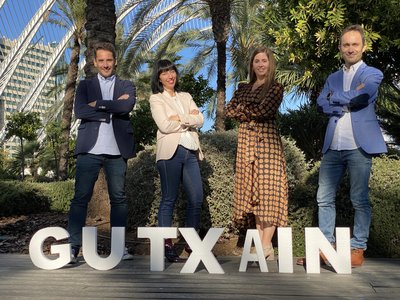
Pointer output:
x,y
261,188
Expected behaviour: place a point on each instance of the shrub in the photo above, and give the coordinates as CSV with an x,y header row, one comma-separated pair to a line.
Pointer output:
x,y
60,193
217,169
307,127
19,198
384,240
143,189
302,208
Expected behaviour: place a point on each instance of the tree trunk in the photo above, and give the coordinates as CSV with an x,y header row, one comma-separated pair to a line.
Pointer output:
x,y
220,17
99,206
221,87
66,118
56,160
22,159
100,27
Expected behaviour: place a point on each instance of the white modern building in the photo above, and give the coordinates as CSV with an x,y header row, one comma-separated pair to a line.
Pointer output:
x,y
22,81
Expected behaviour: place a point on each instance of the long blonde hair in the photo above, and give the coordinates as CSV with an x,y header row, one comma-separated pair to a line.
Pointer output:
x,y
270,77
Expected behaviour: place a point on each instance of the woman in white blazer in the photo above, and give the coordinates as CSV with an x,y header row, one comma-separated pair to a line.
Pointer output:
x,y
178,149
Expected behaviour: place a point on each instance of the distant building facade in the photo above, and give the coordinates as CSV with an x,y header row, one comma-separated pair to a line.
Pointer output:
x,y
21,82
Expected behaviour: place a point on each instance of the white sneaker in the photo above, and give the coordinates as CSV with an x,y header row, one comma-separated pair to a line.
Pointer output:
x,y
127,255
74,256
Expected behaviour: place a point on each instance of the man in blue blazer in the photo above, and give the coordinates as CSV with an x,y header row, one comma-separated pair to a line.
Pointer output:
x,y
105,140
353,137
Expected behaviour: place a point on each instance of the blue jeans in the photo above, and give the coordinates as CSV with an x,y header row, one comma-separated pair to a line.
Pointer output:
x,y
87,171
183,166
333,165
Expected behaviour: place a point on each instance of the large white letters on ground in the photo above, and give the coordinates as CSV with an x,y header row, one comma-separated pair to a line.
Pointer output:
x,y
157,236
314,239
252,235
285,250
36,248
201,250
89,248
339,259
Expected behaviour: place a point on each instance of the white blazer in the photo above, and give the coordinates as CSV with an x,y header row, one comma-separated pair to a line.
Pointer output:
x,y
169,132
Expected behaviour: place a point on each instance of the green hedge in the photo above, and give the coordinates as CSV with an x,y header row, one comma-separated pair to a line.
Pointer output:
x,y
143,193
60,193
20,198
384,240
217,169
385,199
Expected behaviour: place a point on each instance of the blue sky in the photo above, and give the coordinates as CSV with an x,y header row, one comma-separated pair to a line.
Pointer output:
x,y
16,14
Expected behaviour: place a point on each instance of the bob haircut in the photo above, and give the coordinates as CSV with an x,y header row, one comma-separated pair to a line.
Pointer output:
x,y
160,66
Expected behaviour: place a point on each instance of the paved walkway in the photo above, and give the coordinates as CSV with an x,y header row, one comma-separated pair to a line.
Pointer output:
x,y
20,279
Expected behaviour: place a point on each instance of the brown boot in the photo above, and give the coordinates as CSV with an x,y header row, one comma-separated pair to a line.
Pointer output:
x,y
357,257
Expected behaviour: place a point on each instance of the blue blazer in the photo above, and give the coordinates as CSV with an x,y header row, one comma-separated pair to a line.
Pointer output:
x,y
91,117
333,101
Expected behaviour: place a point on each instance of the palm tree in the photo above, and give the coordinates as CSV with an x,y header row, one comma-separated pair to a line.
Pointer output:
x,y
100,27
244,36
159,23
72,14
220,11
156,15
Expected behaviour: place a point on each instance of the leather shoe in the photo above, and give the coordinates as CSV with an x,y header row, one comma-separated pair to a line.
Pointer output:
x,y
188,249
357,257
302,260
171,255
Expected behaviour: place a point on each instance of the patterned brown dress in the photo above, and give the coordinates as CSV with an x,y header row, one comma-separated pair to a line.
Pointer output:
x,y
261,187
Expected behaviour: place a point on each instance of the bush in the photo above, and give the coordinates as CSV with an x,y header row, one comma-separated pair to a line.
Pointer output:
x,y
19,198
60,194
22,198
303,211
143,191
307,127
217,169
384,240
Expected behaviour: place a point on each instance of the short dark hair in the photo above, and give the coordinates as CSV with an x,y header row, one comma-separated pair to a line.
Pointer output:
x,y
354,27
104,46
161,66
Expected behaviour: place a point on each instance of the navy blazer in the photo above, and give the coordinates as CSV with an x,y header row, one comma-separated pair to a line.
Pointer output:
x,y
334,101
91,117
